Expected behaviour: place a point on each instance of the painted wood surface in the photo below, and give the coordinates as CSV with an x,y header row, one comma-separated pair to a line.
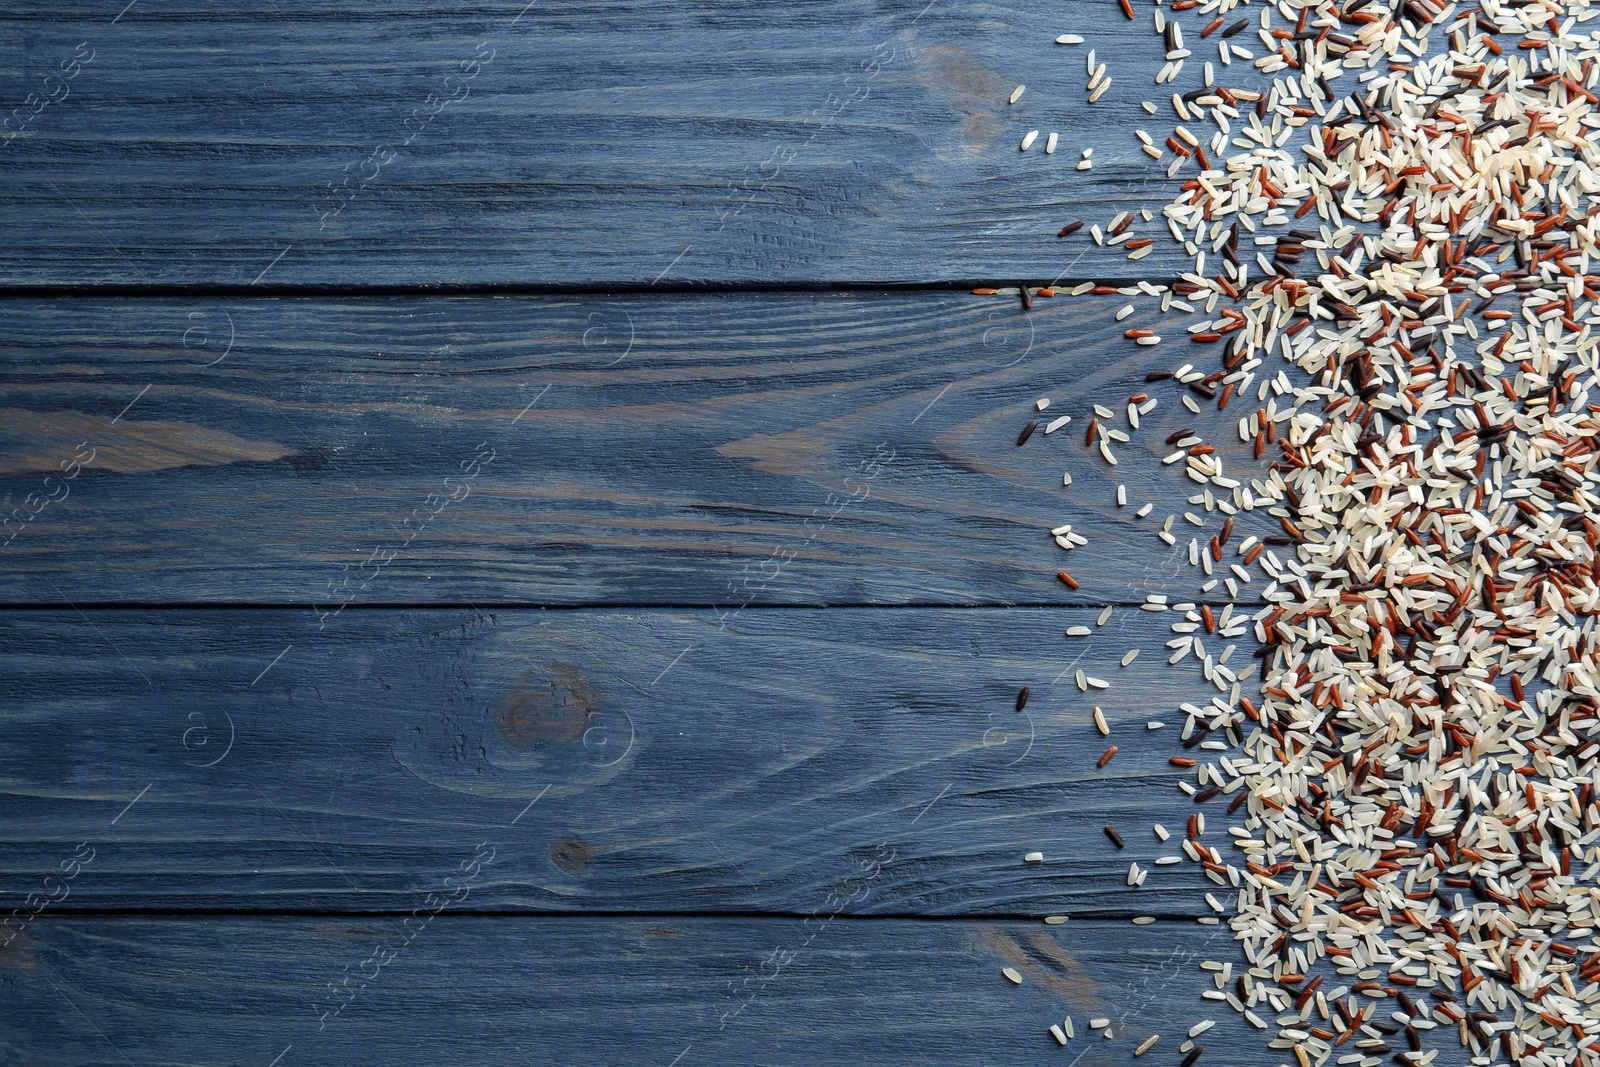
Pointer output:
x,y
533,613
576,143
623,760
464,990
674,449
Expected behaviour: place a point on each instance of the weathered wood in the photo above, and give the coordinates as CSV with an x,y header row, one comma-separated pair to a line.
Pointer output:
x,y
705,450
619,760
108,992
589,143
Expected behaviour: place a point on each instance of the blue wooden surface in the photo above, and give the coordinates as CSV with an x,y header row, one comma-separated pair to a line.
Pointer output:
x,y
756,448
676,761
482,991
589,143
267,791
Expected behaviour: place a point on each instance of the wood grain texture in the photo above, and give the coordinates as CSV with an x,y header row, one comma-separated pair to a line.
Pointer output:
x,y
699,819
589,143
619,760
98,993
672,449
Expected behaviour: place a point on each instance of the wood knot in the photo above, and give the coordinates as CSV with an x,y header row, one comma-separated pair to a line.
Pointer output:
x,y
570,854
547,707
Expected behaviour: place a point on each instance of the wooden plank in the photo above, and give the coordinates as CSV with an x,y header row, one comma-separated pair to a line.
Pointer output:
x,y
227,990
620,760
600,143
668,449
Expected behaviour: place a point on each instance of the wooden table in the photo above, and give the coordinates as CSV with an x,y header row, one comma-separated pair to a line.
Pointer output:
x,y
519,551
